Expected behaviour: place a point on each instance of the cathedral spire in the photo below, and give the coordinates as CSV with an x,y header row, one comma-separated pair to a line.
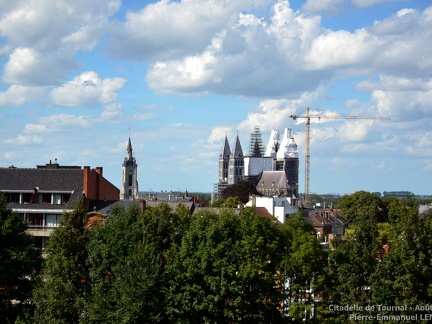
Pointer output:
x,y
238,151
226,151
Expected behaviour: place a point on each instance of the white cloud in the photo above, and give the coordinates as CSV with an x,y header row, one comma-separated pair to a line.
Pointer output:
x,y
66,121
112,112
17,95
35,128
271,114
251,57
87,90
24,140
394,46
167,29
403,105
354,131
27,66
420,144
287,53
43,36
218,134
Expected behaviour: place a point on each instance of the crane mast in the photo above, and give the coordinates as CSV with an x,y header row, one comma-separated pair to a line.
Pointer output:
x,y
307,151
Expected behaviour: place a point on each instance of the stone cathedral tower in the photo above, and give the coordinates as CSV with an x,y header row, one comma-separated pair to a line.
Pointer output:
x,y
129,189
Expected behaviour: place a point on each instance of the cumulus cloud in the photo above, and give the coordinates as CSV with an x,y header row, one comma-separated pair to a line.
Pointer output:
x,y
420,144
66,121
167,29
287,53
393,46
24,140
35,128
87,90
251,57
17,95
43,36
112,112
354,131
218,134
27,66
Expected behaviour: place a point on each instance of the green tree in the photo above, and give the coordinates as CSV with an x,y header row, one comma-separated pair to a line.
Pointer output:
x,y
363,206
303,264
128,256
232,202
19,263
64,285
218,203
226,270
403,274
351,268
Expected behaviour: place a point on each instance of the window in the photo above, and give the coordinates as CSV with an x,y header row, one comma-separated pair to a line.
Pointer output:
x,y
26,197
60,199
36,219
46,198
13,197
130,178
52,220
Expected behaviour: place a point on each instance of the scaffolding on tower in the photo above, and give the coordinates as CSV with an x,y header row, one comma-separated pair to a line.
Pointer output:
x,y
256,148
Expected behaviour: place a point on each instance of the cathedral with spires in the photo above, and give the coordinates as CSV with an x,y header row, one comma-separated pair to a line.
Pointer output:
x,y
273,169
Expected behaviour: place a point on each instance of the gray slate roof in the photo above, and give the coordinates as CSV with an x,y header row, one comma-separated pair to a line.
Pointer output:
x,y
272,180
50,180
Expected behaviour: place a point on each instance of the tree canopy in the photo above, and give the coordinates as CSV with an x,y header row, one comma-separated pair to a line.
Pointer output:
x,y
242,190
19,263
363,206
64,285
220,265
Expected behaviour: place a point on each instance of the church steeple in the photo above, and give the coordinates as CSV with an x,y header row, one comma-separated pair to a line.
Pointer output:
x,y
129,188
224,162
236,164
238,151
129,149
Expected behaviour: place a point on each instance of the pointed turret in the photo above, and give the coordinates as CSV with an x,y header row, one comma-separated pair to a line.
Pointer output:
x,y
224,162
236,164
238,151
226,151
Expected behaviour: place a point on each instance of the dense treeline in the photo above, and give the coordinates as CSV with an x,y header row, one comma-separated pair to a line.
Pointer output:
x,y
165,266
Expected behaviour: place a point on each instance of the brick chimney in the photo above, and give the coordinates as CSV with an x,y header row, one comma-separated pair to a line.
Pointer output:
x,y
99,170
86,180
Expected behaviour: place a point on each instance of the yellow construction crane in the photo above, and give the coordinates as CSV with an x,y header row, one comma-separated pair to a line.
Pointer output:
x,y
307,155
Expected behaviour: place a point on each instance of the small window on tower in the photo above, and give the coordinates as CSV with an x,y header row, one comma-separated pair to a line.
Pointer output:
x,y
130,178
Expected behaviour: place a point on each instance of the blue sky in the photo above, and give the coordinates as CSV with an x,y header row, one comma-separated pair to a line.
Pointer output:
x,y
78,76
